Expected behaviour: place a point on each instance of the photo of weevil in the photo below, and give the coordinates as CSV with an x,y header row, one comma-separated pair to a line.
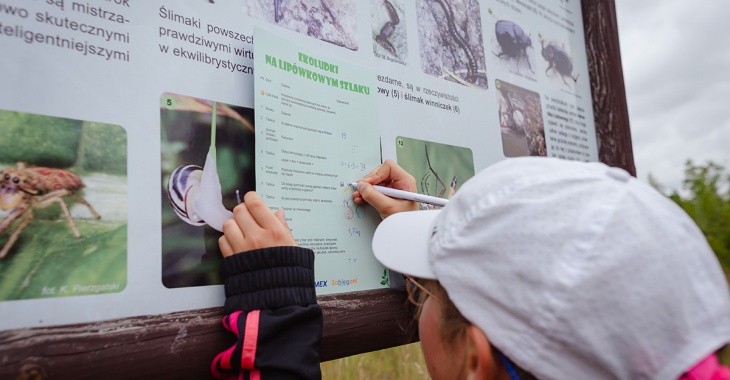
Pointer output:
x,y
25,188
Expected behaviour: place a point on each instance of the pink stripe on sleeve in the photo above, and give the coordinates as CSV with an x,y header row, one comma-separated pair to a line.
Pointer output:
x,y
224,359
233,322
250,339
214,369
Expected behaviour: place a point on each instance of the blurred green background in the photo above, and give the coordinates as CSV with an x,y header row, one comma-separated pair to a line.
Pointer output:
x,y
80,146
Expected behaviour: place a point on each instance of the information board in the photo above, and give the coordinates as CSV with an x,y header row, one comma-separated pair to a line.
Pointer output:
x,y
110,109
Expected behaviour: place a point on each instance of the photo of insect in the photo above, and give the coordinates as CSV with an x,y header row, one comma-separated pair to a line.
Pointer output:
x,y
439,188
438,168
25,188
387,32
558,60
513,42
429,175
450,34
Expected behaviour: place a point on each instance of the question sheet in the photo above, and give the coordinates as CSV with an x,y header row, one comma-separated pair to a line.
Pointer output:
x,y
316,118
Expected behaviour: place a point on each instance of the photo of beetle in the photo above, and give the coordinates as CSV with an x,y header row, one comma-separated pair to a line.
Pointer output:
x,y
559,61
513,42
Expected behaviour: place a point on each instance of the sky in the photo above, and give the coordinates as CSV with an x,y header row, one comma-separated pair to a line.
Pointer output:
x,y
676,62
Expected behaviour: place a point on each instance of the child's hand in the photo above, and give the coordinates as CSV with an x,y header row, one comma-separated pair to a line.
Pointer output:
x,y
387,174
254,226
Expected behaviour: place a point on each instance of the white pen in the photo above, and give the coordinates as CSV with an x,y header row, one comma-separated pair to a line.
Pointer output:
x,y
407,195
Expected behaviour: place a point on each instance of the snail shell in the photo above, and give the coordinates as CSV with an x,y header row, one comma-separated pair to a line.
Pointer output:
x,y
182,189
196,197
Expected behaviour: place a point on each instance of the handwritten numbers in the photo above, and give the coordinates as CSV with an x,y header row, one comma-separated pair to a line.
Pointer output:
x,y
360,211
357,166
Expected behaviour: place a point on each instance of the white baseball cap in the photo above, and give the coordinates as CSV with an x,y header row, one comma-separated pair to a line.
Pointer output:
x,y
573,270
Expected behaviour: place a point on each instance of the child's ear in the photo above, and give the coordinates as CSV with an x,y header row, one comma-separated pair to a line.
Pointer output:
x,y
481,361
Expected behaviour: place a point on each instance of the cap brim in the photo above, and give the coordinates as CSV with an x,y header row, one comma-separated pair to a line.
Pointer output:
x,y
401,242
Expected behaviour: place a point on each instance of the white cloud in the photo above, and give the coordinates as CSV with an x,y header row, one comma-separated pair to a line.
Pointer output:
x,y
676,62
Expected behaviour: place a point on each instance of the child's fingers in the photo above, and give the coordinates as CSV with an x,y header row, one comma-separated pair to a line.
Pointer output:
x,y
282,218
225,247
260,212
234,236
246,222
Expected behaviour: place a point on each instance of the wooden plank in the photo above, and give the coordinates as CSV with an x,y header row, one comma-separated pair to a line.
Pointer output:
x,y
181,345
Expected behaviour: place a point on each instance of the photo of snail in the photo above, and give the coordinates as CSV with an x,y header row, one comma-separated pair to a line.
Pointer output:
x,y
390,41
512,48
558,60
63,207
450,38
439,169
330,21
207,164
520,121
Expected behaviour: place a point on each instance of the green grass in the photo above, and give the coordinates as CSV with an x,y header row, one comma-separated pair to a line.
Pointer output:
x,y
724,356
403,362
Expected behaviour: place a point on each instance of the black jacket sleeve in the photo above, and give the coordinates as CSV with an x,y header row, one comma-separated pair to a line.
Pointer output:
x,y
272,308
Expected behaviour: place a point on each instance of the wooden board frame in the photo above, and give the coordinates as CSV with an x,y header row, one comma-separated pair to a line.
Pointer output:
x,y
182,345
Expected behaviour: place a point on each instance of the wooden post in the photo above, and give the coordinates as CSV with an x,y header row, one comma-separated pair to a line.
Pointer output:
x,y
610,111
